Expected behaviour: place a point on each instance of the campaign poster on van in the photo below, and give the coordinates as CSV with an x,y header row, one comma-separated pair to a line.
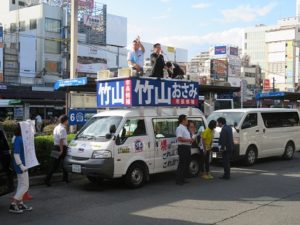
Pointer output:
x,y
146,92
28,131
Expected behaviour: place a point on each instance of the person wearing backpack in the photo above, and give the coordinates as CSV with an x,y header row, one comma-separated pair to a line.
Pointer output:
x,y
207,139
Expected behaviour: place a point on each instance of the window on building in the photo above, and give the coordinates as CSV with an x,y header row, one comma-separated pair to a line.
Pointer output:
x,y
32,25
13,27
53,67
245,46
52,25
21,3
13,2
52,47
22,26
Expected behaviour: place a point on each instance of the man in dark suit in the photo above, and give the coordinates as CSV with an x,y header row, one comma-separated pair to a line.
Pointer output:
x,y
226,146
157,62
174,70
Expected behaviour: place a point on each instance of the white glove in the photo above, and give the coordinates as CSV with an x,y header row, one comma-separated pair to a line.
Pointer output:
x,y
23,168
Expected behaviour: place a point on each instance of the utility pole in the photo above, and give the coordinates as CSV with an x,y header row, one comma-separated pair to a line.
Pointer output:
x,y
74,33
273,84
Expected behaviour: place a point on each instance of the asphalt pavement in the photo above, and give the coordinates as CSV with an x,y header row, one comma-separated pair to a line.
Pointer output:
x,y
267,193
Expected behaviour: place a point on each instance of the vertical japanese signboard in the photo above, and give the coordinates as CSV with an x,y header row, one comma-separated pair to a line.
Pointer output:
x,y
146,92
289,63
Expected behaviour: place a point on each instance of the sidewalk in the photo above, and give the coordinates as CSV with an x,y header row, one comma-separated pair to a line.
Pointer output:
x,y
57,177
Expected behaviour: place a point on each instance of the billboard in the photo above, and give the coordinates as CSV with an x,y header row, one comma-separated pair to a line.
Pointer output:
x,y
128,92
289,73
220,50
267,85
1,54
219,68
116,25
234,51
90,68
27,54
81,116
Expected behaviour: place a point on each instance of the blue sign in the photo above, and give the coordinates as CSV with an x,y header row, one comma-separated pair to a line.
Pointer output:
x,y
135,91
80,117
220,50
70,82
270,95
225,96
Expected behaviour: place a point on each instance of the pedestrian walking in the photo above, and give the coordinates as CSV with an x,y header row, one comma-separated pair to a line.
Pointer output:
x,y
5,160
184,141
226,146
38,123
157,62
207,138
17,205
135,57
60,149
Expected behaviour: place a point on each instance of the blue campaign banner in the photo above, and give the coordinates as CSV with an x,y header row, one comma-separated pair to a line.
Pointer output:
x,y
128,92
70,82
80,117
220,50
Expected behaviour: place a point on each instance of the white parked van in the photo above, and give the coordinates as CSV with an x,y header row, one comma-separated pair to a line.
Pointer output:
x,y
131,143
260,133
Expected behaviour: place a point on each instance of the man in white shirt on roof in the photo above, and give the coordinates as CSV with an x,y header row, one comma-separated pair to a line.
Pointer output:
x,y
135,57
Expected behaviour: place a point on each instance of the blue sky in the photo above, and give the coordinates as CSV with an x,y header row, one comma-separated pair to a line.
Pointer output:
x,y
197,24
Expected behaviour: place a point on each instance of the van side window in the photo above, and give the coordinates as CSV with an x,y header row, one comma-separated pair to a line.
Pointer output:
x,y
280,119
250,121
133,127
166,127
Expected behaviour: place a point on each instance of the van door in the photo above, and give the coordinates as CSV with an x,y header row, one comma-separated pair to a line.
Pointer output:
x,y
166,157
132,143
273,140
250,133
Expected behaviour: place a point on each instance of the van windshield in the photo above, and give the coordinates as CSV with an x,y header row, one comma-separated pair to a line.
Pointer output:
x,y
98,127
232,118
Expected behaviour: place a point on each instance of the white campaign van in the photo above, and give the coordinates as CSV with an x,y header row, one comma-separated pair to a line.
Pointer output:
x,y
131,143
260,132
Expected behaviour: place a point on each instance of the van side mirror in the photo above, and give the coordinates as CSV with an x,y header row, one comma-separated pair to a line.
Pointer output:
x,y
246,125
112,129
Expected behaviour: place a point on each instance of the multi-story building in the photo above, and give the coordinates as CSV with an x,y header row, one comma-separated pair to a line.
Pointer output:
x,y
36,51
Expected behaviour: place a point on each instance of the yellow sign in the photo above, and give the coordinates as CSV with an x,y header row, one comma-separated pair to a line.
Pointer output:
x,y
171,49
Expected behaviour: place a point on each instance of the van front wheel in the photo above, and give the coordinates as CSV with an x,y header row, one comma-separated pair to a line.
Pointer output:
x,y
289,151
135,176
250,157
194,167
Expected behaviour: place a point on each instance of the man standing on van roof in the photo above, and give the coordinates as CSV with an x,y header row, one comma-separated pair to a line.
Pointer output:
x,y
135,57
226,146
184,141
157,62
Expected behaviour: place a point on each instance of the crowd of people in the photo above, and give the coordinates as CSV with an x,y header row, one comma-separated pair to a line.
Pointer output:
x,y
187,137
135,60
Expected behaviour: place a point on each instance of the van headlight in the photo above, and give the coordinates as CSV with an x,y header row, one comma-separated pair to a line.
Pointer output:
x,y
101,154
236,140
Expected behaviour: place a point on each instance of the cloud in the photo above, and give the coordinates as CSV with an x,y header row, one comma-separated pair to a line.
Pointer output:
x,y
165,1
246,13
232,36
164,15
201,6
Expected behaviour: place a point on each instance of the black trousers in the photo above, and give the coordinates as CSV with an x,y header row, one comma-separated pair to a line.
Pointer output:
x,y
204,162
56,164
184,152
226,163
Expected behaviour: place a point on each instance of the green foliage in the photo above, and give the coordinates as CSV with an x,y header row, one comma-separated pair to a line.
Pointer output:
x,y
43,148
48,130
9,127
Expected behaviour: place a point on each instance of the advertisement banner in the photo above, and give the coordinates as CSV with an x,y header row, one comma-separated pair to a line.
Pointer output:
x,y
289,63
80,117
91,68
28,54
70,82
220,50
234,51
146,92
267,84
219,68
